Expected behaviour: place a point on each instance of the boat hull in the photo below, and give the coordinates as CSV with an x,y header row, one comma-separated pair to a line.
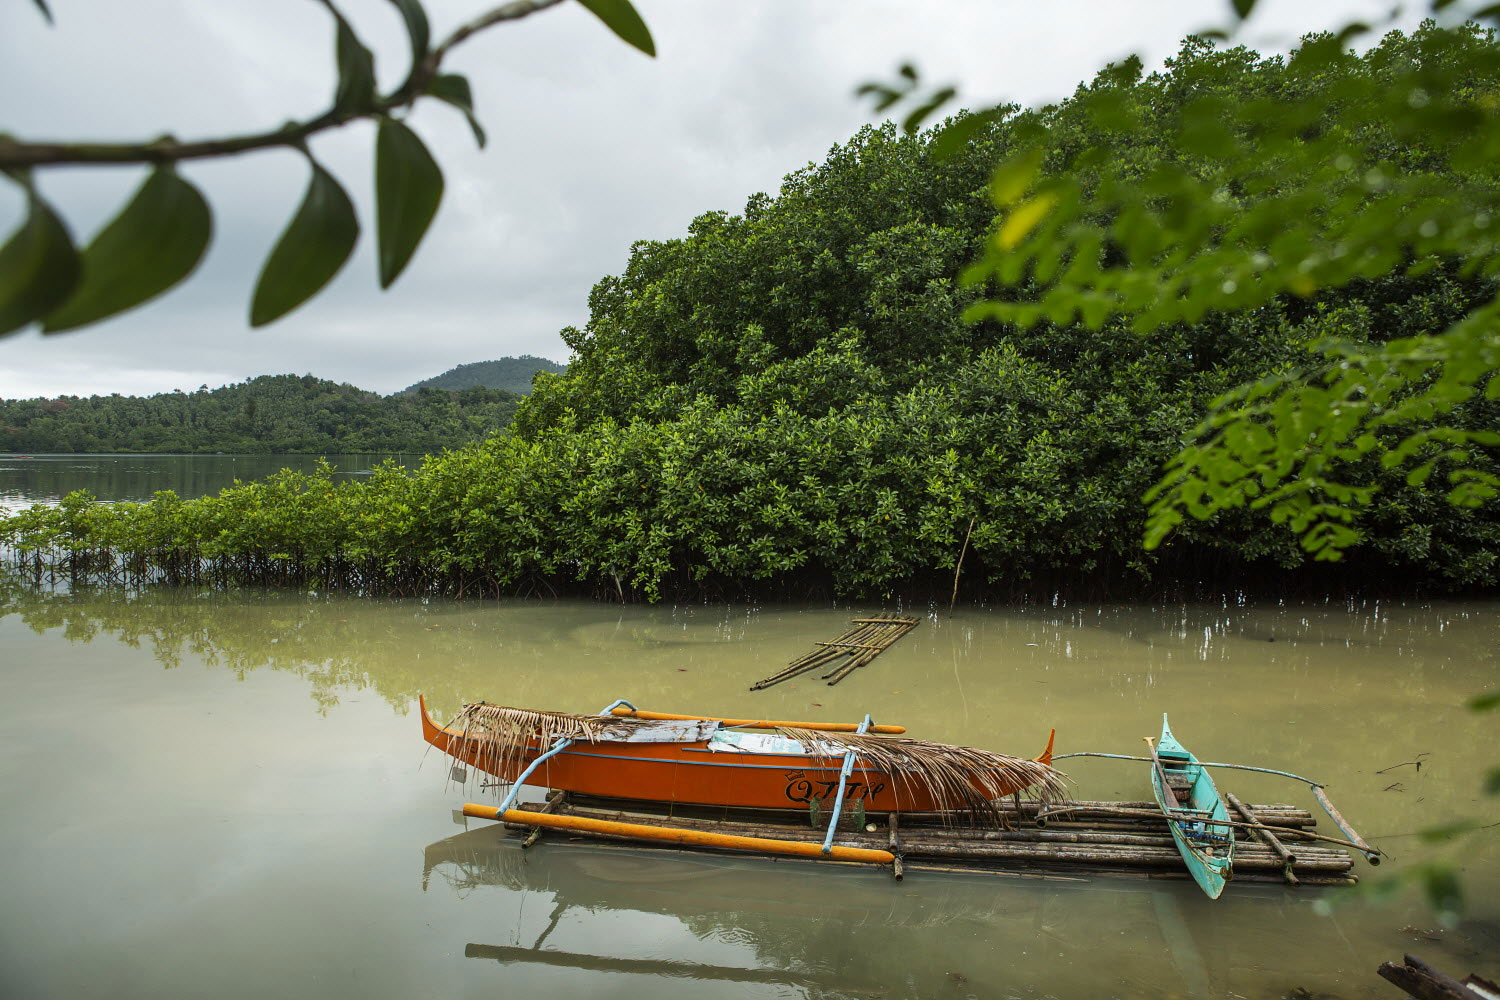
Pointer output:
x,y
691,773
1202,835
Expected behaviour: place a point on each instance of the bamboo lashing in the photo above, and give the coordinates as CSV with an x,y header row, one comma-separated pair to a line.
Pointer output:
x,y
866,639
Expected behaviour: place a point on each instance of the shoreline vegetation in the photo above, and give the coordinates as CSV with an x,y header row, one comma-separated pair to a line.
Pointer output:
x,y
271,414
788,402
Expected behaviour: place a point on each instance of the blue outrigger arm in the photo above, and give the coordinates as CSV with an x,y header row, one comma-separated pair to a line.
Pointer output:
x,y
838,803
557,748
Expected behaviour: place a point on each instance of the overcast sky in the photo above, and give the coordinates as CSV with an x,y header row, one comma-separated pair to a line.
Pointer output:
x,y
592,146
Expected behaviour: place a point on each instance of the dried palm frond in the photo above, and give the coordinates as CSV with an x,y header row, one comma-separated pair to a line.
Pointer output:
x,y
965,779
504,738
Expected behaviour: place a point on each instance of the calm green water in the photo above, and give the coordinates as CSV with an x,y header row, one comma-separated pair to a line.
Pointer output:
x,y
227,795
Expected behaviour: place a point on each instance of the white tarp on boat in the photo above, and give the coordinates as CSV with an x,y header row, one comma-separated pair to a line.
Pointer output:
x,y
739,741
668,731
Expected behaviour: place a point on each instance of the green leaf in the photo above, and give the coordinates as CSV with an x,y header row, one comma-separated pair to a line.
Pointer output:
x,y
38,267
1492,781
1012,178
453,89
1242,8
1445,832
1485,702
408,188
620,17
416,29
1444,893
315,245
356,89
956,134
914,121
1023,219
155,242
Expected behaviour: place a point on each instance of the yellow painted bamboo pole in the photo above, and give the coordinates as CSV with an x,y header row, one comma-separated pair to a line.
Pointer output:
x,y
826,727
696,838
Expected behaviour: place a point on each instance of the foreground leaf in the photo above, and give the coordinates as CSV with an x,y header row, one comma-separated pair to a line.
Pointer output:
x,y
356,88
408,188
620,16
38,267
315,245
453,89
155,242
417,29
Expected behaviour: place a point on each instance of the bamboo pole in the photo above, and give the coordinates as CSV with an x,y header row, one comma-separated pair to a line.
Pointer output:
x,y
893,822
1262,833
1231,823
1038,842
685,837
1371,854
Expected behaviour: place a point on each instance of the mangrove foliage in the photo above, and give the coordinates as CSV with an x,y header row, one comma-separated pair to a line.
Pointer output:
x,y
272,414
805,398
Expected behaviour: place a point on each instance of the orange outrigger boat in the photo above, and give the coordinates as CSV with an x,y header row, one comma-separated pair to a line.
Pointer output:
x,y
730,762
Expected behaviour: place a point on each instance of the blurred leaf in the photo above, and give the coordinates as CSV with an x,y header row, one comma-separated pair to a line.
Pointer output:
x,y
1242,8
155,242
416,29
620,16
453,89
38,267
1351,30
1447,831
884,96
315,245
356,89
1012,179
1440,5
958,132
1492,781
1441,886
408,188
1023,219
913,122
41,5
1485,702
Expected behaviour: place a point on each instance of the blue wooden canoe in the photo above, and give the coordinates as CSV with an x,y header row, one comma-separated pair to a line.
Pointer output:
x,y
1198,824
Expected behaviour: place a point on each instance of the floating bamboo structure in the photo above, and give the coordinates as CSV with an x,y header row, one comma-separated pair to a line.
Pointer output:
x,y
1073,838
866,639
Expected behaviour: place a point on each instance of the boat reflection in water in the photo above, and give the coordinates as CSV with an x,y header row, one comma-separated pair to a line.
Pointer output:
x,y
830,930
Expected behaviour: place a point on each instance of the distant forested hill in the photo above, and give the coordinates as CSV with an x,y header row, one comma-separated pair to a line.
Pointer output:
x,y
273,414
510,374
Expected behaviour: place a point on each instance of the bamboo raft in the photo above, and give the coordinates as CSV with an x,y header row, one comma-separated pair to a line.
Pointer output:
x,y
1057,839
866,639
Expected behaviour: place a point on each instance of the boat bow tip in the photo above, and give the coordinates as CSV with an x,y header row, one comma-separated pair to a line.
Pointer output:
x,y
1046,757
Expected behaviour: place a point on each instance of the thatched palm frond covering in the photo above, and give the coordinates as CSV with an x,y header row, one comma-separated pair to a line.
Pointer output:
x,y
507,737
969,778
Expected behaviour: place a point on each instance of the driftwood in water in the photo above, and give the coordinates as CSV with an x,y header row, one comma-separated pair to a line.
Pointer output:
x,y
867,639
1422,981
